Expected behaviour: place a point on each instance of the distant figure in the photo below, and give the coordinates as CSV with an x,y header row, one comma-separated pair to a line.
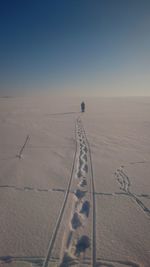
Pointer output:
x,y
82,107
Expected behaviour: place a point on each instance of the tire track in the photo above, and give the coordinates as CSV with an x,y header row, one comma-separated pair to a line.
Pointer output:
x,y
59,219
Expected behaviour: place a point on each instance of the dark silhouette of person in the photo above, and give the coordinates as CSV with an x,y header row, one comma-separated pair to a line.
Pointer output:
x,y
82,107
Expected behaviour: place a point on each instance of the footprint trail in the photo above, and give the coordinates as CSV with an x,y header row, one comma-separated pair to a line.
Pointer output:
x,y
78,244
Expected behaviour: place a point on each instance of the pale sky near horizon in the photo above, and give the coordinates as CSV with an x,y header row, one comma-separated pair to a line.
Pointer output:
x,y
99,47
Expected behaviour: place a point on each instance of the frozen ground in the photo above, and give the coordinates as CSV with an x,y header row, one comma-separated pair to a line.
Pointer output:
x,y
37,148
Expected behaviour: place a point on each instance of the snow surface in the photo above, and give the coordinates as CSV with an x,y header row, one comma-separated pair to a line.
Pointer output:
x,y
37,146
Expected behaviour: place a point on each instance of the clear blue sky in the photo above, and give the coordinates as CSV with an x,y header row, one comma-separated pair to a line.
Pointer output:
x,y
94,47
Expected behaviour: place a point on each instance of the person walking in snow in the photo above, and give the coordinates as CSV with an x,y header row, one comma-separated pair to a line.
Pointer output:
x,y
82,107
